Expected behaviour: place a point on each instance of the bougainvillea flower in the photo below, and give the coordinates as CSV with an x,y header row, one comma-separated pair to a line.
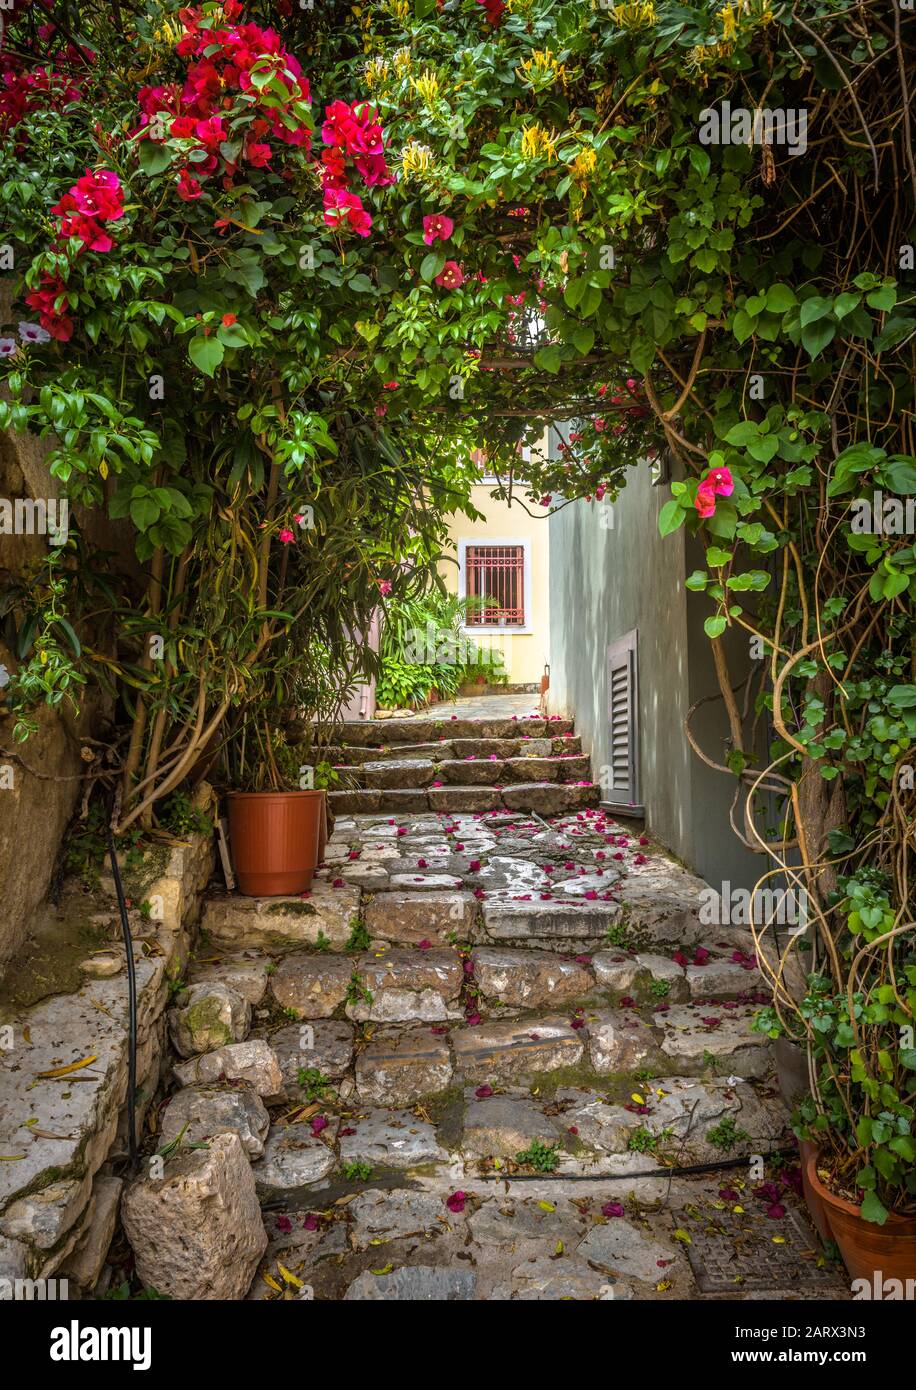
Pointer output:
x,y
456,1201
286,535
483,1092
311,1221
189,188
319,1122
612,1209
451,276
717,483
437,227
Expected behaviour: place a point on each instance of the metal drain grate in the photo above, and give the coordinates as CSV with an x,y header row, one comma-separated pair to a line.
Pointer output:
x,y
735,1254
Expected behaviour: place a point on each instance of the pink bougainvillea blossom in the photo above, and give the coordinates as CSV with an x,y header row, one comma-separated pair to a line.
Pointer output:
x,y
437,227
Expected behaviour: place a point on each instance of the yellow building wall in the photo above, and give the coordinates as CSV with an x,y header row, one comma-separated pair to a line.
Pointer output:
x,y
525,652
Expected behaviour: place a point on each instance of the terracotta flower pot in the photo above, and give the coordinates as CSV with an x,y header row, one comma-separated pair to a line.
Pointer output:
x,y
866,1247
322,827
274,839
816,1209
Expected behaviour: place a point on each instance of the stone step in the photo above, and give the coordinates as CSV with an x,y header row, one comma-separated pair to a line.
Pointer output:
x,y
576,1130
378,732
344,755
546,798
423,773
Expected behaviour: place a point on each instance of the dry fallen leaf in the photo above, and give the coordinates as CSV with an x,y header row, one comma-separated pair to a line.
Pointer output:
x,y
65,1071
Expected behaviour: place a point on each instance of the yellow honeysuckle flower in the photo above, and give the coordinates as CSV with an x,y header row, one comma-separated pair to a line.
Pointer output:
x,y
538,143
427,86
416,158
638,14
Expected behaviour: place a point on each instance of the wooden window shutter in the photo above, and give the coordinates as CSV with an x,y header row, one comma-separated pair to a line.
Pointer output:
x,y
622,706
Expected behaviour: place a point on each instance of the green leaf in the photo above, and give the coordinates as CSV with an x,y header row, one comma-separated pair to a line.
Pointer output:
x,y
583,339
548,359
716,625
154,157
432,265
670,517
206,353
899,474
873,1210
780,298
816,336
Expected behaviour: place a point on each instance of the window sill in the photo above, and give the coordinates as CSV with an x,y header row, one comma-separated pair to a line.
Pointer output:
x,y
490,629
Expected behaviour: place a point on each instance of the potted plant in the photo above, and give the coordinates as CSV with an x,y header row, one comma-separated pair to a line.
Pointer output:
x,y
856,1123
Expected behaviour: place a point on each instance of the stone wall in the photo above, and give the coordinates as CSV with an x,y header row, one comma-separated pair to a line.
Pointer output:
x,y
39,779
63,1080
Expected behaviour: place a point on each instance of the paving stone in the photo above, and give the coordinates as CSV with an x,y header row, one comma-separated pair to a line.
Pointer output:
x,y
477,772
400,800
403,773
314,984
234,921
207,1016
453,798
566,925
503,1126
515,874
252,1061
549,799
408,985
293,1157
378,1217
389,1139
619,1041
247,976
412,917
356,802
720,978
421,882
614,971
568,1278
415,1284
369,876
507,1053
688,1041
622,1248
325,1046
528,979
507,1221
199,1112
398,1067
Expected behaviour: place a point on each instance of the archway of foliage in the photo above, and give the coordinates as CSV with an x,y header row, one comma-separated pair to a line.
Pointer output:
x,y
558,243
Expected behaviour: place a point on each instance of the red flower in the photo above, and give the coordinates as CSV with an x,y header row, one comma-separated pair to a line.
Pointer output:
x,y
483,1092
717,483
189,188
612,1209
456,1201
437,227
451,276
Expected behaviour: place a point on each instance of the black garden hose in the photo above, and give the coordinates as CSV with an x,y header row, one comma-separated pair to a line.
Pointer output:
x,y
131,1005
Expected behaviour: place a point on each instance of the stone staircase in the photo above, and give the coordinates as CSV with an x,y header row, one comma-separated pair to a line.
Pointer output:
x,y
461,765
468,995
505,978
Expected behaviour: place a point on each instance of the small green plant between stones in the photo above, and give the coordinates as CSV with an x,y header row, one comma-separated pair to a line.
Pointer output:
x,y
660,988
313,1082
357,992
357,1170
643,1141
322,942
617,935
543,1158
726,1134
358,939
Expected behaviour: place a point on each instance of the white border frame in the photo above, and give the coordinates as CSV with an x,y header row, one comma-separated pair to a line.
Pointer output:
x,y
527,630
